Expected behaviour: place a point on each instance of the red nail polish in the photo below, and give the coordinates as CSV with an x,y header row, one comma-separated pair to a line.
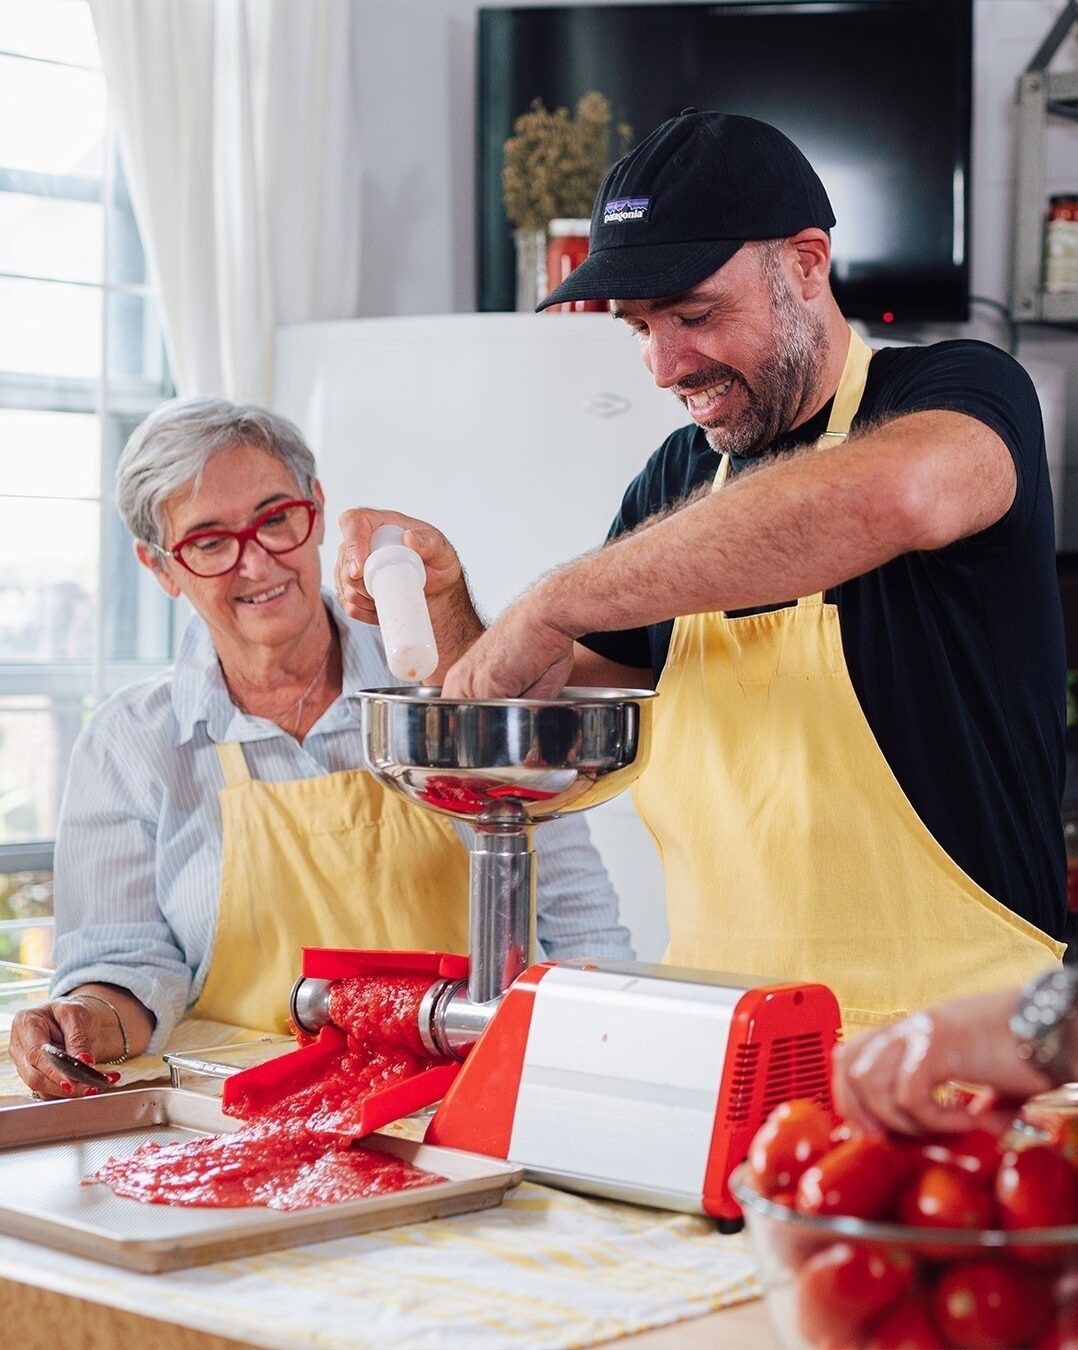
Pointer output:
x,y
113,1077
86,1057
92,1092
65,1087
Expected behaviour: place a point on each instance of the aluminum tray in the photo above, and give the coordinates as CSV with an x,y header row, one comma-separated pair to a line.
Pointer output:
x,y
46,1148
205,1071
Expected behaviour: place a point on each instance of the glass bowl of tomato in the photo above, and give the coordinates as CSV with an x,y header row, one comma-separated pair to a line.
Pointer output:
x,y
913,1244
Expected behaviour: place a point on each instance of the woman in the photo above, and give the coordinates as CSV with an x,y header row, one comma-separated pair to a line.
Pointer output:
x,y
214,820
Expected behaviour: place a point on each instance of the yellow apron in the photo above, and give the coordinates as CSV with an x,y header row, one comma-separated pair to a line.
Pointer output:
x,y
789,848
336,861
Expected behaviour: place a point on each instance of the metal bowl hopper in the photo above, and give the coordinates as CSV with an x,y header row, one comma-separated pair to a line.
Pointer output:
x,y
507,760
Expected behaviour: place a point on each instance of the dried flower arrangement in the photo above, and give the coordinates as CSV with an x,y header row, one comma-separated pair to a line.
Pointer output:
x,y
555,162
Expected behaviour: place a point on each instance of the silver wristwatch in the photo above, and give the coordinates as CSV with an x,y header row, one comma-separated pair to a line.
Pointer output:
x,y
1045,1007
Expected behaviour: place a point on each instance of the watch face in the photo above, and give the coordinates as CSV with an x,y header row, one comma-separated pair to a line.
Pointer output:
x,y
1044,1009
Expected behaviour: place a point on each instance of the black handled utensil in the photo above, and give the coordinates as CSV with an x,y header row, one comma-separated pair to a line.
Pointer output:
x,y
75,1068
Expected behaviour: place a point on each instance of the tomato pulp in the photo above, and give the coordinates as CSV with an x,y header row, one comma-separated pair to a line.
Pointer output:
x,y
297,1151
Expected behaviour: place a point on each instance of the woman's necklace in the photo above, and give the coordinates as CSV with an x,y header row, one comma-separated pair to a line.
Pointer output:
x,y
293,709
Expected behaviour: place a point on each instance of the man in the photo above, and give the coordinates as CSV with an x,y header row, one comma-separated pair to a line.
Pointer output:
x,y
859,745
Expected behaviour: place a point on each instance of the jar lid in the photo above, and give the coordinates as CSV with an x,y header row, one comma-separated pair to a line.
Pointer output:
x,y
559,229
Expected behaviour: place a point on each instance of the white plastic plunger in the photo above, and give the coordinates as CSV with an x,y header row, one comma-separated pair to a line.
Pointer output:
x,y
395,576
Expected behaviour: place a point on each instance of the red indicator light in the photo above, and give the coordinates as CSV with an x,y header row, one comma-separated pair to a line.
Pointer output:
x,y
887,316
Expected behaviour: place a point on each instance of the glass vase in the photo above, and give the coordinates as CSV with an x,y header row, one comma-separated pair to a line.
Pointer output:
x,y
531,267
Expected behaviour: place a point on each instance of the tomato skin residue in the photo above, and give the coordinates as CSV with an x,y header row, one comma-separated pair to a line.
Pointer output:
x,y
296,1153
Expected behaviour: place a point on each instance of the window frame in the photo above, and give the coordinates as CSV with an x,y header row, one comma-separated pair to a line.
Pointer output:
x,y
119,402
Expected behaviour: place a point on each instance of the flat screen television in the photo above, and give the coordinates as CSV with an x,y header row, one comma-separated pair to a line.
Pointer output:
x,y
875,92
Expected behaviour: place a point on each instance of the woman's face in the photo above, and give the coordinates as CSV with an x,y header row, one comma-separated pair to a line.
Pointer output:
x,y
268,599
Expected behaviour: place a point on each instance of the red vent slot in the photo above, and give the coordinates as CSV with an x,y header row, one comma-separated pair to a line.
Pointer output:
x,y
797,1067
742,1082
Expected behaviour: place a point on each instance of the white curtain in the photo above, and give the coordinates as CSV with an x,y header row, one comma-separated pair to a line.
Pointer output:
x,y
237,122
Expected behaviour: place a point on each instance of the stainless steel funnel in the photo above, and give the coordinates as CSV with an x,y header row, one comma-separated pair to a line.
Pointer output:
x,y
504,766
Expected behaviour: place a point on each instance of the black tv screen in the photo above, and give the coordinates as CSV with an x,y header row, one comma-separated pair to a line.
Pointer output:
x,y
875,92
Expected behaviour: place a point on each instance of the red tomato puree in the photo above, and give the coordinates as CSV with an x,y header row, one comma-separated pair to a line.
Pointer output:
x,y
297,1152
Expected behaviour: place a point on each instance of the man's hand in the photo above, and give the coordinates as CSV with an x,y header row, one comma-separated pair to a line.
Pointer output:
x,y
520,654
444,572
452,615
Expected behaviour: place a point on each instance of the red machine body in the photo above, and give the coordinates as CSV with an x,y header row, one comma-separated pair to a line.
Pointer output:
x,y
671,1110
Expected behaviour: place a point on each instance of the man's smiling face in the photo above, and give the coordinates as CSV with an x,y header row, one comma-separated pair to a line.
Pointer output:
x,y
741,350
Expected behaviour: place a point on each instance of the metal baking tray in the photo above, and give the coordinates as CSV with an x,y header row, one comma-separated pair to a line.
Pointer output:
x,y
206,1070
47,1148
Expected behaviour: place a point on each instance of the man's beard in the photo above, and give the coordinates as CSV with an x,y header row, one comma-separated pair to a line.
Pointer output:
x,y
785,383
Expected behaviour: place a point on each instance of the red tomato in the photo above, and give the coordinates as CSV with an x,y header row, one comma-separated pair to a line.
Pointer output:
x,y
794,1135
906,1326
1037,1188
990,1305
1062,1333
942,1197
843,1131
1064,1131
976,1152
859,1178
844,1287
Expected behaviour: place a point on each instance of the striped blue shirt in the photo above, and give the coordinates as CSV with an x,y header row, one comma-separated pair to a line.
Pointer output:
x,y
138,846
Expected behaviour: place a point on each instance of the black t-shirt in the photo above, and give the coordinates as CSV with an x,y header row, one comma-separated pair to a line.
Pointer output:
x,y
956,655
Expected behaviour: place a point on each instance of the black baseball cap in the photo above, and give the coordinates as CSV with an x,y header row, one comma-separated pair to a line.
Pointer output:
x,y
682,202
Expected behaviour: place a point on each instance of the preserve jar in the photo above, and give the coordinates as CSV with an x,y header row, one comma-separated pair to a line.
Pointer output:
x,y
1061,244
567,247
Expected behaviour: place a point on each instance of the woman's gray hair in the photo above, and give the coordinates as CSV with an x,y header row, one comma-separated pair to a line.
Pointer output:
x,y
171,448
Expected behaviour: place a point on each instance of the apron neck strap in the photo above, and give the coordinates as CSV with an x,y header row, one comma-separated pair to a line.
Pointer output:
x,y
233,763
848,395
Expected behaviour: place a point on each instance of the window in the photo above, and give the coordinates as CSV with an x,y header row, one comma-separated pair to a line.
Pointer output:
x,y
81,362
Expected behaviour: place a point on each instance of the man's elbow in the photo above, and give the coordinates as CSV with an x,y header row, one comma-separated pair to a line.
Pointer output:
x,y
930,511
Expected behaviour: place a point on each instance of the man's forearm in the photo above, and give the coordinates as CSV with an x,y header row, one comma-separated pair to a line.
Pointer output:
x,y
456,624
789,529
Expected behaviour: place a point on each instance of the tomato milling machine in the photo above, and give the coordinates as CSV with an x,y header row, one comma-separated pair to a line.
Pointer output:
x,y
639,1082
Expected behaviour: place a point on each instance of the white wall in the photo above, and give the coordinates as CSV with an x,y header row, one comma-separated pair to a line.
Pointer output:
x,y
415,74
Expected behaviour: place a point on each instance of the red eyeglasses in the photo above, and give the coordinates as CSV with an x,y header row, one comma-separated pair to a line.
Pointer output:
x,y
212,553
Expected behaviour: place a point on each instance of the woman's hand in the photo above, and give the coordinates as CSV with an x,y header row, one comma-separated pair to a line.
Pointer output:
x,y
95,1022
86,1030
887,1079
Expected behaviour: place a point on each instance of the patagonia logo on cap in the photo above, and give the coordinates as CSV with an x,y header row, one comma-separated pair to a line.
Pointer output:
x,y
625,208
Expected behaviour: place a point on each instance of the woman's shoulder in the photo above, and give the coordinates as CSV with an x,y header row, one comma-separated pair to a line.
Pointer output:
x,y
139,711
